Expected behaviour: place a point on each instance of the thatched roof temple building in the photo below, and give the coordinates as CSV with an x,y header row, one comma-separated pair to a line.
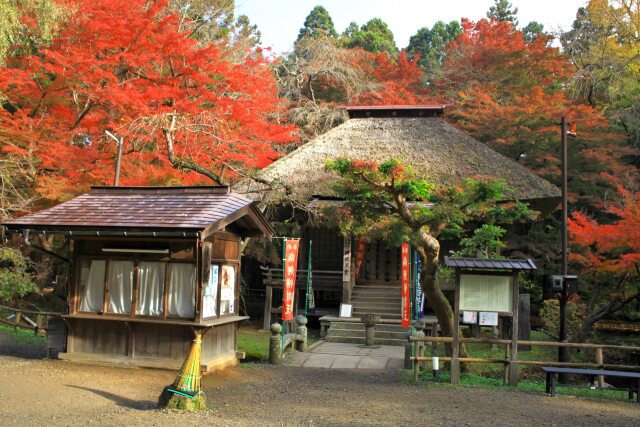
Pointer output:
x,y
417,136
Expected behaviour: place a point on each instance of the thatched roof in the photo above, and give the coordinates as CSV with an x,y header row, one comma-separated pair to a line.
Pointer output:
x,y
434,149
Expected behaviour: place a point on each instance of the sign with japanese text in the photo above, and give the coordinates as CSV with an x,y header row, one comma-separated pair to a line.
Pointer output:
x,y
406,293
346,259
419,295
359,256
290,266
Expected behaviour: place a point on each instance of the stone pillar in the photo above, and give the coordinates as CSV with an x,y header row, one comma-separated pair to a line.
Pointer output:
x,y
275,344
369,321
417,331
301,331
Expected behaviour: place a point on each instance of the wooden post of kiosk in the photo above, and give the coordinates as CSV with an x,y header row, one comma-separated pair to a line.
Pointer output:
x,y
455,346
513,364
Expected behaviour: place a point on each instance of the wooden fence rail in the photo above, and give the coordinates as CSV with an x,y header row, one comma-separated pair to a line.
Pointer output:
x,y
508,359
19,318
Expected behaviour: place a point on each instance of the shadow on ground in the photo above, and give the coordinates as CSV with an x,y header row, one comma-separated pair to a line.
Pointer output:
x,y
9,346
119,400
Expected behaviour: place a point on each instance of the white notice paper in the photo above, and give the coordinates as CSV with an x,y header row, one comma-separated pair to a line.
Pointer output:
x,y
488,318
470,317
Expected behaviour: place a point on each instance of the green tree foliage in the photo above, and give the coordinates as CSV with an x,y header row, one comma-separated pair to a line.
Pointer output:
x,y
431,44
15,281
604,45
532,30
318,22
485,242
503,10
374,36
389,201
550,315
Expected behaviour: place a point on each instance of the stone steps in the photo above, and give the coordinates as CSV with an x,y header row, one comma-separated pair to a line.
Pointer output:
x,y
377,297
350,332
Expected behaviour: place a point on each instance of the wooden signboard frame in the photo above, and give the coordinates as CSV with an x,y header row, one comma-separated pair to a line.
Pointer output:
x,y
455,356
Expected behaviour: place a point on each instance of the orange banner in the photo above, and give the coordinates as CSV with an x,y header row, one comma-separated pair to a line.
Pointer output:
x,y
290,266
359,256
406,293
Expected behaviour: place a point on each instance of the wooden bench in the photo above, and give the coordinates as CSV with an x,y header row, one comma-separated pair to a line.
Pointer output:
x,y
633,378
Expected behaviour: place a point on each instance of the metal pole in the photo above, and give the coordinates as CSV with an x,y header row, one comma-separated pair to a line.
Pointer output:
x,y
120,142
563,352
118,161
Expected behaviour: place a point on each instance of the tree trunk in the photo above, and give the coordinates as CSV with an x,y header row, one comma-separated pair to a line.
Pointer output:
x,y
429,252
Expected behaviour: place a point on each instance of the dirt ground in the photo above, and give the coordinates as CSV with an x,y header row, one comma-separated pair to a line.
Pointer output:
x,y
36,391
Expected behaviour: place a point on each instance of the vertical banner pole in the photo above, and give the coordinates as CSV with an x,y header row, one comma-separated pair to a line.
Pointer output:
x,y
419,295
284,277
306,299
406,302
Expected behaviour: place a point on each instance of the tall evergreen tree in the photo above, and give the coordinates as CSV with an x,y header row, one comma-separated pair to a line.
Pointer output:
x,y
317,22
431,44
532,30
503,10
374,36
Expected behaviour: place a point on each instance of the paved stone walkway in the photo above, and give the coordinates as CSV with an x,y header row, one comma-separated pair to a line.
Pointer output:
x,y
348,356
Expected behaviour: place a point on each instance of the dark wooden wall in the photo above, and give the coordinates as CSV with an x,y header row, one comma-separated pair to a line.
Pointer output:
x,y
218,341
161,341
380,262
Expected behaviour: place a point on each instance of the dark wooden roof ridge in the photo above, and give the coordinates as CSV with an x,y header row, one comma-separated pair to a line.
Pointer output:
x,y
194,189
489,263
396,107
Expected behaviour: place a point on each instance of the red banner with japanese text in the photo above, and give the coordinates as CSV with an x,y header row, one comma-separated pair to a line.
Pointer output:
x,y
406,292
290,266
359,256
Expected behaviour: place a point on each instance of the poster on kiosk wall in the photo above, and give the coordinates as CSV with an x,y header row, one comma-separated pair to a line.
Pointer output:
x,y
290,265
406,293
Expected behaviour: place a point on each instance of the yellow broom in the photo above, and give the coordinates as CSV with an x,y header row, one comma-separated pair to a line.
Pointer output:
x,y
185,392
188,378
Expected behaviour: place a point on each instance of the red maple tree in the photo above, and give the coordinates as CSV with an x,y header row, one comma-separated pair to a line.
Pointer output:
x,y
187,114
609,257
510,93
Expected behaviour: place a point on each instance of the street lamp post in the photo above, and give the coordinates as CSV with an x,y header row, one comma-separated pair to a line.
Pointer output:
x,y
119,141
563,353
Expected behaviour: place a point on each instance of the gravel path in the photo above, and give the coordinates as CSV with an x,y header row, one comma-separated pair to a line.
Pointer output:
x,y
50,392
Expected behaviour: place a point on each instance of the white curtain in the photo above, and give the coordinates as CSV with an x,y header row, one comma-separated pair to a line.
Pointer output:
x,y
182,290
120,285
92,279
150,288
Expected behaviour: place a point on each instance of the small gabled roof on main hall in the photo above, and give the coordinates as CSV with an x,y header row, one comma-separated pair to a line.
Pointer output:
x,y
149,209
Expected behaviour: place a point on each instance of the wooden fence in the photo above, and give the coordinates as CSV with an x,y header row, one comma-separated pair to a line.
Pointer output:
x,y
36,321
508,360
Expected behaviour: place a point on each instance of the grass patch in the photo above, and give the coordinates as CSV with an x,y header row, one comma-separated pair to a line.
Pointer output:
x,y
471,380
254,343
22,335
489,375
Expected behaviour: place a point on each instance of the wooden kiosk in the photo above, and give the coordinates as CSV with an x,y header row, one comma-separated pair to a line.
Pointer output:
x,y
489,288
151,266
